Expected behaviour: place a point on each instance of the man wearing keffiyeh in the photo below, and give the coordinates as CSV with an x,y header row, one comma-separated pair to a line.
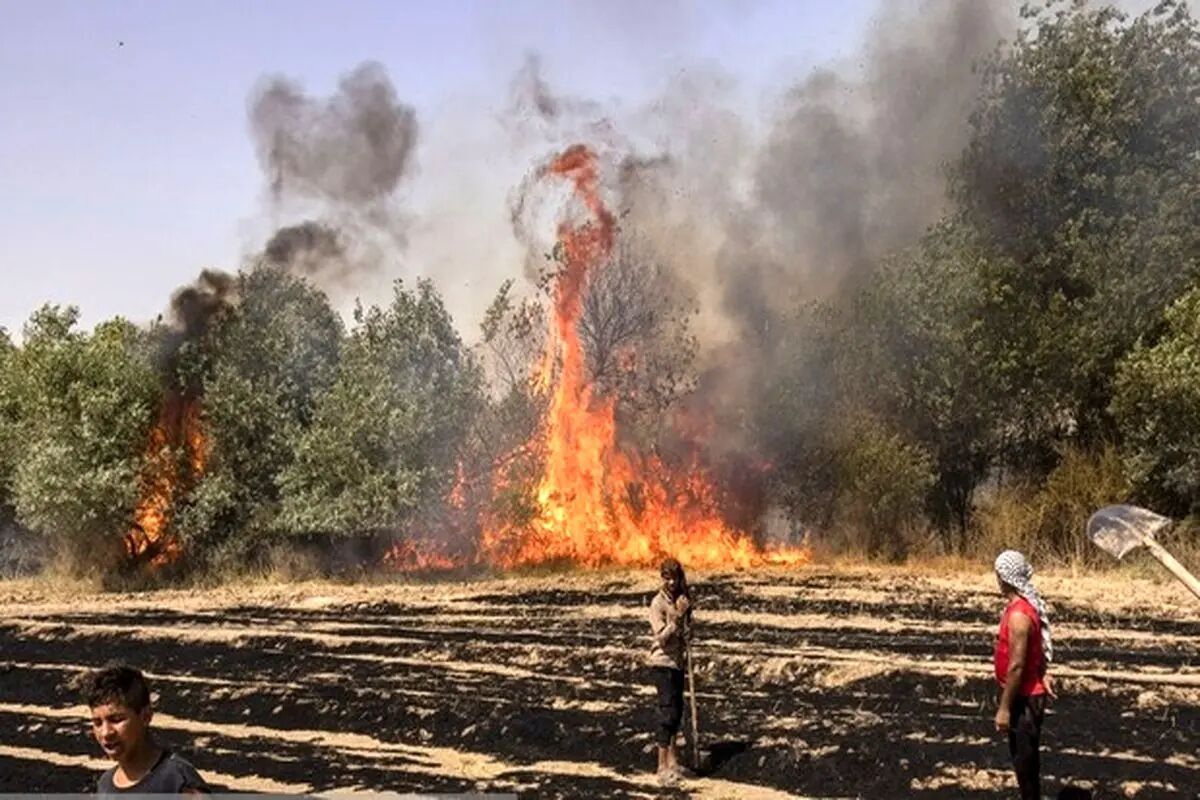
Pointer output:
x,y
1023,652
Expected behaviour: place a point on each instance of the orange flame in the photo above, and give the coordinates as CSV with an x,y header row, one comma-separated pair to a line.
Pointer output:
x,y
179,425
417,556
597,504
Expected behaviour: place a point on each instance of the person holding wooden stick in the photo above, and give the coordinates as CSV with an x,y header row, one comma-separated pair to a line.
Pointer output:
x,y
670,628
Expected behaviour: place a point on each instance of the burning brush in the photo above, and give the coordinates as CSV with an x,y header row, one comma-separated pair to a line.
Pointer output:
x,y
598,503
178,430
177,448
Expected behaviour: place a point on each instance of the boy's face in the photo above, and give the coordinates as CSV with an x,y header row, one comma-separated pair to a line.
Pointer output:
x,y
119,729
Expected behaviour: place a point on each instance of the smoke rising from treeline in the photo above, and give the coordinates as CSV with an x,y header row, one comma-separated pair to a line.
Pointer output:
x,y
339,162
850,167
752,220
748,217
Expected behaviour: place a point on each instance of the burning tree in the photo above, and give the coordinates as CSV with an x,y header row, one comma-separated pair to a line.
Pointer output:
x,y
597,503
634,332
174,460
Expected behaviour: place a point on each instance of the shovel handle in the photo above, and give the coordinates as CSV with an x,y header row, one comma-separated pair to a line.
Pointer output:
x,y
1177,569
691,675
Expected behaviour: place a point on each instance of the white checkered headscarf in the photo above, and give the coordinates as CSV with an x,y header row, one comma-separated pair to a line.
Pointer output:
x,y
1014,570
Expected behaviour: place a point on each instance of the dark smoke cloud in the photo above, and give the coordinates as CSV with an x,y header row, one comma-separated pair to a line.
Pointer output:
x,y
310,248
814,184
851,166
852,169
530,94
194,310
341,160
350,149
538,115
532,102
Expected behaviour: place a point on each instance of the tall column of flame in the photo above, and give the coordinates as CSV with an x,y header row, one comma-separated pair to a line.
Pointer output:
x,y
178,425
599,505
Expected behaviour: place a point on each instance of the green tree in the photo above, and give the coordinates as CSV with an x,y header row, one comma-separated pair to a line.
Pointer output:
x,y
914,358
1081,176
501,470
839,465
9,419
883,482
261,370
1157,405
385,438
84,404
890,381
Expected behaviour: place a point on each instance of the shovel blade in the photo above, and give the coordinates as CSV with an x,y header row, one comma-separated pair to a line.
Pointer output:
x,y
702,761
1120,529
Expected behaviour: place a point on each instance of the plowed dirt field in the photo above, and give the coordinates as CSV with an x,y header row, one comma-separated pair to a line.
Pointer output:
x,y
814,683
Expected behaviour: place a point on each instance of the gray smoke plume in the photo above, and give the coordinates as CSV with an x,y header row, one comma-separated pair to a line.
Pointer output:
x,y
853,169
849,168
340,161
854,166
351,149
530,95
535,110
309,248
193,312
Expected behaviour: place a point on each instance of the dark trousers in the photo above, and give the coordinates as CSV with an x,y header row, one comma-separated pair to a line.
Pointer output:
x,y
1024,739
669,685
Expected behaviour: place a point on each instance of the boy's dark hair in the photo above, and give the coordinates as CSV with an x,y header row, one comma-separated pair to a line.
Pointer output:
x,y
116,683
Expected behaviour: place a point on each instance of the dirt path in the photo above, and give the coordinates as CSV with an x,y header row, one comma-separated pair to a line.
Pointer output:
x,y
813,683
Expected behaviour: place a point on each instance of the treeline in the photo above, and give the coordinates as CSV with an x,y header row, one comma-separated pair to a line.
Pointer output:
x,y
1032,357
305,428
1035,354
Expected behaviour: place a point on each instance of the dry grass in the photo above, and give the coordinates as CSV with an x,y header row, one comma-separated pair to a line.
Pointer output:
x,y
1046,520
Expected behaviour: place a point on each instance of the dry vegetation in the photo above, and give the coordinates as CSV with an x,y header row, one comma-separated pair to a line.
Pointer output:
x,y
822,682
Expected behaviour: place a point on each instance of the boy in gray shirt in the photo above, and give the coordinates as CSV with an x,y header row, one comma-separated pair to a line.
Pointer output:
x,y
119,699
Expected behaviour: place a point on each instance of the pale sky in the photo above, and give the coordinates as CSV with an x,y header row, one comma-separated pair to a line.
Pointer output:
x,y
125,160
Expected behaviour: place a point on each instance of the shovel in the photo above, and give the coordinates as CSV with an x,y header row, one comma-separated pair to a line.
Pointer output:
x,y
1119,529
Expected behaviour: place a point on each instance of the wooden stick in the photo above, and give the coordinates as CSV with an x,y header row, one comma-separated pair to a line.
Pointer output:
x,y
1177,569
692,699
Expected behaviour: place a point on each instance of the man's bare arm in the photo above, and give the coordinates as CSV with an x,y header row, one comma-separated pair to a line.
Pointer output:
x,y
1019,628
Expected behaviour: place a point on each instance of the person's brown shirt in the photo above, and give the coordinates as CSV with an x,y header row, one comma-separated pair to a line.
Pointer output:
x,y
667,633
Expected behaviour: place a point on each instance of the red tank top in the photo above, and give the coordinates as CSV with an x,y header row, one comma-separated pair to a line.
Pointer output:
x,y
1035,658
